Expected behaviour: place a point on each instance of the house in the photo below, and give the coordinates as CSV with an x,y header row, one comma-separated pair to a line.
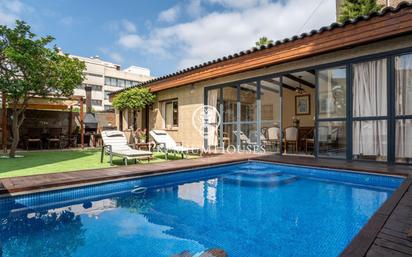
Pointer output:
x,y
343,91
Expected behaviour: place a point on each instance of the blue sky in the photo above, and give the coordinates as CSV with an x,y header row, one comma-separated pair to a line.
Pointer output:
x,y
165,35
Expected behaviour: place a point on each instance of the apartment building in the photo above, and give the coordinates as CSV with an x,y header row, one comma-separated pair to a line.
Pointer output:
x,y
105,77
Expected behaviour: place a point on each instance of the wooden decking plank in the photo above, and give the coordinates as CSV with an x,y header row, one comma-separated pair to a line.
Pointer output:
x,y
378,251
395,239
394,246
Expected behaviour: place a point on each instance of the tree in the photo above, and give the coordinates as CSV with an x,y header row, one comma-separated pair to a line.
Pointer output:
x,y
133,98
28,68
263,41
351,9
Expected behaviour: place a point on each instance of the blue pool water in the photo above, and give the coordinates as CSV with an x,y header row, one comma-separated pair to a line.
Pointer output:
x,y
248,209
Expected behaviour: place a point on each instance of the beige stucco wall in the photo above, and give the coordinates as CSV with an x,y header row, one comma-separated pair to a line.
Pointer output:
x,y
289,109
191,97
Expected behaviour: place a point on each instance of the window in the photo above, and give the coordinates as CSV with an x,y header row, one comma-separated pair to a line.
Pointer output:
x,y
403,92
113,82
97,102
171,114
107,81
370,110
120,83
332,93
107,95
94,87
108,107
331,129
93,74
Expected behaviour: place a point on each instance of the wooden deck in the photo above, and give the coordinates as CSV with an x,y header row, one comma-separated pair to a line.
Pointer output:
x,y
384,235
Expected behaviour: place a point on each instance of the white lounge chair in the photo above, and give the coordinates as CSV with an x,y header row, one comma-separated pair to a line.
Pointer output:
x,y
115,144
166,143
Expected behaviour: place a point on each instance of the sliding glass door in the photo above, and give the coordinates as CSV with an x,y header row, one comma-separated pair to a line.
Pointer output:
x,y
370,110
403,108
250,116
332,112
270,114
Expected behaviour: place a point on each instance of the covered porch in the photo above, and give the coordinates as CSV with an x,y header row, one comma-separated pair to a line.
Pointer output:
x,y
50,123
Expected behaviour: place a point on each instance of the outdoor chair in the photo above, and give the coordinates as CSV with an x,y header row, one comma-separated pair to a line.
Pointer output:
x,y
115,144
34,138
166,143
55,137
245,140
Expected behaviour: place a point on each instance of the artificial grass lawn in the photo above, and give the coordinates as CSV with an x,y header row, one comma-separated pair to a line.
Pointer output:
x,y
45,162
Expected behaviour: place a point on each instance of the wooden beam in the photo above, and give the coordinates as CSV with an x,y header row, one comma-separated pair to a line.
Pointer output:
x,y
4,122
45,107
81,114
313,72
299,80
284,85
363,32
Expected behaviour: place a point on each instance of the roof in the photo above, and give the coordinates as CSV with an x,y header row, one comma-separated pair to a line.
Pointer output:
x,y
364,29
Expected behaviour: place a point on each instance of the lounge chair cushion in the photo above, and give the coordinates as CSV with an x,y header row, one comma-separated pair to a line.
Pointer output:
x,y
117,140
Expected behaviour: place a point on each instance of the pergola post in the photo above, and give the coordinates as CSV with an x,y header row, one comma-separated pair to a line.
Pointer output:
x,y
81,124
4,122
69,130
146,122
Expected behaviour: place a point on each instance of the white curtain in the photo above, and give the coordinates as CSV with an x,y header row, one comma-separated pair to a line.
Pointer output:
x,y
212,126
404,106
370,99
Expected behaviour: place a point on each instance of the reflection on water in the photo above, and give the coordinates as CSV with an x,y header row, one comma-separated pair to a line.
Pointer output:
x,y
279,220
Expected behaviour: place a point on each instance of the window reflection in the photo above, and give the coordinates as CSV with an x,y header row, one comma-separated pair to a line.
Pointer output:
x,y
332,93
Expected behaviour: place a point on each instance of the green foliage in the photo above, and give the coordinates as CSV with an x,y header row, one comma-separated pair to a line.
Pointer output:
x,y
28,67
133,98
352,9
263,41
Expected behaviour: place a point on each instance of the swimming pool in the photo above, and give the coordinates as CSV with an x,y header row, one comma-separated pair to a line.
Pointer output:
x,y
247,209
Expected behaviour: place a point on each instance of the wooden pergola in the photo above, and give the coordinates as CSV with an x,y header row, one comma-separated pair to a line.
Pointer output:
x,y
56,104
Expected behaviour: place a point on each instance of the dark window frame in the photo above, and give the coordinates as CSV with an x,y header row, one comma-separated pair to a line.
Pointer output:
x,y
391,117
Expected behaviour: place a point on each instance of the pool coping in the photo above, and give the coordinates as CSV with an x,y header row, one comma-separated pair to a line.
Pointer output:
x,y
359,246
72,179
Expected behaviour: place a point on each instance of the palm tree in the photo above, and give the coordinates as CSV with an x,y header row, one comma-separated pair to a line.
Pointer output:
x,y
263,41
351,9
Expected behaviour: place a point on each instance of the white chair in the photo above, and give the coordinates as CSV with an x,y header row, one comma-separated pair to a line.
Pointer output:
x,y
291,137
274,136
166,143
115,144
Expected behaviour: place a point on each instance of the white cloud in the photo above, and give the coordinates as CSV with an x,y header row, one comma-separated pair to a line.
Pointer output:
x,y
241,4
116,57
169,15
222,33
130,41
113,55
194,8
128,26
122,26
10,10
